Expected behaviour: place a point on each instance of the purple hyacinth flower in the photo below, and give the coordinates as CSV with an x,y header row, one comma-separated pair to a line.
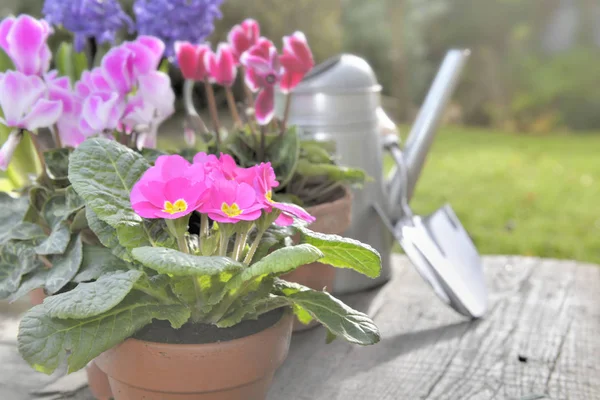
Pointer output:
x,y
176,20
98,19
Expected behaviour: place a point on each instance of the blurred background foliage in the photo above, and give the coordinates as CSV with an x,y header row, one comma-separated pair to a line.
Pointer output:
x,y
534,65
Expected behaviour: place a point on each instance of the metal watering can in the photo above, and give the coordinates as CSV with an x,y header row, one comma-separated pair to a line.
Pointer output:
x,y
340,100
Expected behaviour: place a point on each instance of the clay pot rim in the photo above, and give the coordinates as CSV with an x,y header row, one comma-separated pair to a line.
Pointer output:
x,y
214,345
319,208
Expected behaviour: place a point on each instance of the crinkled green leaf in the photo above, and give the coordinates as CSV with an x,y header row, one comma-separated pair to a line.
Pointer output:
x,y
150,232
45,342
272,237
34,280
152,154
92,298
12,210
57,242
103,172
79,221
176,263
98,261
61,206
341,320
21,231
16,260
278,262
342,252
57,163
106,234
65,266
253,310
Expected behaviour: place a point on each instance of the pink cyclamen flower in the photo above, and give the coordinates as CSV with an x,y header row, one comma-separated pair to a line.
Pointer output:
x,y
221,65
190,58
231,202
59,89
24,40
297,60
101,112
263,73
243,36
91,82
168,190
24,103
264,182
123,64
8,149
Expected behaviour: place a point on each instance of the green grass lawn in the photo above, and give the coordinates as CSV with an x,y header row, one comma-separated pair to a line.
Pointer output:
x,y
518,194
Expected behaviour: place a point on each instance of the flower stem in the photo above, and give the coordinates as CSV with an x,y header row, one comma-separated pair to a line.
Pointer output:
x,y
188,101
233,107
212,105
56,136
254,247
178,228
224,240
286,113
247,92
203,225
261,149
38,150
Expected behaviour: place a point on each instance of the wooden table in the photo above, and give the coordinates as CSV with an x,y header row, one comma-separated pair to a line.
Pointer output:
x,y
539,340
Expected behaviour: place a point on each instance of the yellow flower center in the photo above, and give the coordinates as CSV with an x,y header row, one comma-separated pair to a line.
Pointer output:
x,y
173,208
231,210
269,196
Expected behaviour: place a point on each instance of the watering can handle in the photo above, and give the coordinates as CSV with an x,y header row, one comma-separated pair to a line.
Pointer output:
x,y
392,144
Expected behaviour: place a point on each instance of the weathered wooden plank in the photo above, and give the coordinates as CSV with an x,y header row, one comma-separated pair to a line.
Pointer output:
x,y
540,337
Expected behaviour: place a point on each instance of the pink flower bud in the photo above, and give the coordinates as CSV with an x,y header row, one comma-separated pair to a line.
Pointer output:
x,y
24,40
297,60
221,66
243,36
191,60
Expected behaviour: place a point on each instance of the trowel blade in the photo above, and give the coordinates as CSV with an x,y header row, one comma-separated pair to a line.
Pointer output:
x,y
453,256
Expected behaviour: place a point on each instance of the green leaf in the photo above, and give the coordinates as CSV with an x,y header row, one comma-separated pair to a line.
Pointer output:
x,y
6,62
34,280
93,298
315,153
150,232
98,261
283,154
253,310
79,221
61,206
273,236
333,172
103,172
65,266
278,262
330,337
12,211
152,154
45,342
106,234
80,64
337,317
17,259
57,163
22,231
176,263
57,242
342,252
164,66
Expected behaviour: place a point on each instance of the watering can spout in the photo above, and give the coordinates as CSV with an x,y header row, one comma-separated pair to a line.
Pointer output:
x,y
423,131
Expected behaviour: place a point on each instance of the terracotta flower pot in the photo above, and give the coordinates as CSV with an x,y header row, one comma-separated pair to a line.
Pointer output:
x,y
332,218
238,369
98,382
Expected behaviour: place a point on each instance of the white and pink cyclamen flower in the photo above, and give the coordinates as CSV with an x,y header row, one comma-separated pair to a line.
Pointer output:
x,y
100,102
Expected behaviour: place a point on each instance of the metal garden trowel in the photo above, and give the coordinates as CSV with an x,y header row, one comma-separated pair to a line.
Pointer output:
x,y
439,248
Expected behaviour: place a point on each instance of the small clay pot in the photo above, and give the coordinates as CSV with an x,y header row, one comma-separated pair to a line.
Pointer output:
x,y
37,296
98,382
332,218
238,369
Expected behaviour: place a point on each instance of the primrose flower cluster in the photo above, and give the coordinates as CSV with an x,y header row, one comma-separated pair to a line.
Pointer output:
x,y
216,187
126,92
262,65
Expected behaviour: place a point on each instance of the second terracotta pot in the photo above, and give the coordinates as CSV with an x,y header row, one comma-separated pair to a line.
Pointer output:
x,y
238,369
332,218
